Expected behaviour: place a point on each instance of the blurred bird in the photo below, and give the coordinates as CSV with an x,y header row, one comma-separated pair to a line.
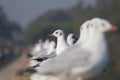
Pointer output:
x,y
71,39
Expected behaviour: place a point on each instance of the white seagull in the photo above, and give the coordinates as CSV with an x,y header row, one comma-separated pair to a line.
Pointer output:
x,y
71,39
61,43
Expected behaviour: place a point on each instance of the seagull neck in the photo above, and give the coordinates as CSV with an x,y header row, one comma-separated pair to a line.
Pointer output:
x,y
61,40
97,40
82,37
98,46
61,44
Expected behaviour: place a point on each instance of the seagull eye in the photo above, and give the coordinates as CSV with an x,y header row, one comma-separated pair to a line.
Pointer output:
x,y
88,26
56,32
60,33
103,25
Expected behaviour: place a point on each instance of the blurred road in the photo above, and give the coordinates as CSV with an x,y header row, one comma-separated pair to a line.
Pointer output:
x,y
8,73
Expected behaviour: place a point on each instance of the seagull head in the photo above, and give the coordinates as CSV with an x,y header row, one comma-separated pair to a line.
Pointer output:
x,y
103,25
58,33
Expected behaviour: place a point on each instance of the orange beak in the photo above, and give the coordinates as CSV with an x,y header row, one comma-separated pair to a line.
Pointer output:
x,y
50,35
113,28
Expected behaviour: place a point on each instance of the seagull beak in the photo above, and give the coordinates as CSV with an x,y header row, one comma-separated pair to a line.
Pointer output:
x,y
113,28
50,35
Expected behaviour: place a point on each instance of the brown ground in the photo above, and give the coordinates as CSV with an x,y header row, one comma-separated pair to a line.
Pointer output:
x,y
9,72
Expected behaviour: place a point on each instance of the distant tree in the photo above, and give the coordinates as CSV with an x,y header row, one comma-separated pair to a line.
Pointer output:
x,y
7,27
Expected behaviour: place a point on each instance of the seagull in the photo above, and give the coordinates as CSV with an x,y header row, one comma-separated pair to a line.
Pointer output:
x,y
71,39
44,54
36,48
40,52
61,43
76,63
51,52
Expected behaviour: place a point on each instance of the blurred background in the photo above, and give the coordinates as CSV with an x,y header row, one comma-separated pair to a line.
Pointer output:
x,y
24,22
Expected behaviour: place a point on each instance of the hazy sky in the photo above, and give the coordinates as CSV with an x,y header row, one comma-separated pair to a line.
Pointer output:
x,y
25,11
